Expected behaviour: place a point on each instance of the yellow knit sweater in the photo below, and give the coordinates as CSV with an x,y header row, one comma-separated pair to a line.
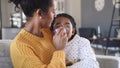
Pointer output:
x,y
30,51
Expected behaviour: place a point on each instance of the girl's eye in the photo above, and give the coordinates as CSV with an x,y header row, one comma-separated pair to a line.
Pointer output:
x,y
67,25
57,26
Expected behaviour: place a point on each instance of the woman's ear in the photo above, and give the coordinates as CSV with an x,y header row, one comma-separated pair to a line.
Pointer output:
x,y
38,13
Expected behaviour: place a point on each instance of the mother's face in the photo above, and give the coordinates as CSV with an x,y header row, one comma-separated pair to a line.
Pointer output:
x,y
48,17
65,23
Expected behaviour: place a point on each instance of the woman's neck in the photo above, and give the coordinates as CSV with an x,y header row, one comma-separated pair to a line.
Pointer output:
x,y
33,28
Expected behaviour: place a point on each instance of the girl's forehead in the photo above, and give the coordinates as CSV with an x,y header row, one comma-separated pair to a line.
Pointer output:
x,y
62,19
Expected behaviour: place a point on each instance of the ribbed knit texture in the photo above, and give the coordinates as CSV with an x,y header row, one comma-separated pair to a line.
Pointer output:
x,y
30,51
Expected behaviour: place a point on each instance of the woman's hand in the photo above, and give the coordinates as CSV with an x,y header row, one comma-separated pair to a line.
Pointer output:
x,y
60,38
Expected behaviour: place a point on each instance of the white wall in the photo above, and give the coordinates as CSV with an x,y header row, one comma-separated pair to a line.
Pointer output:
x,y
6,9
73,7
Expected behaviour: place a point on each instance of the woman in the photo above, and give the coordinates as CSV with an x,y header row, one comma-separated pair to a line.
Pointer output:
x,y
79,53
33,46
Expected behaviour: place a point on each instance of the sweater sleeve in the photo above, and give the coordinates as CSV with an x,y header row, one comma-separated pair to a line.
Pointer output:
x,y
24,57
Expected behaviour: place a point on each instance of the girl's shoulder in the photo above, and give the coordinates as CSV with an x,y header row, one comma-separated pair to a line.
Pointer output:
x,y
80,39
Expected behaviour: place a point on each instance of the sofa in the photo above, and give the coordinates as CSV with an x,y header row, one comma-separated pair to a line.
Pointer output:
x,y
5,60
108,61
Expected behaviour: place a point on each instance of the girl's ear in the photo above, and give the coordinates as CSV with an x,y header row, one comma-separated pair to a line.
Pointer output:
x,y
73,31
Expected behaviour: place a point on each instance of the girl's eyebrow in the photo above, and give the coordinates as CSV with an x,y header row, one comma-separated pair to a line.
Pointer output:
x,y
67,23
57,23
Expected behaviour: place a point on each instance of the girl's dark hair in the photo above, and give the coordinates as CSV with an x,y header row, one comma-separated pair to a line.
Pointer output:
x,y
30,6
71,20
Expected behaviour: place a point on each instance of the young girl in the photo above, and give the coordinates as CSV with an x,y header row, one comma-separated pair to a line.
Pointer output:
x,y
79,53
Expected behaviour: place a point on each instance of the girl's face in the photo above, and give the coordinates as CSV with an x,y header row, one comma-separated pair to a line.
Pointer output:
x,y
65,23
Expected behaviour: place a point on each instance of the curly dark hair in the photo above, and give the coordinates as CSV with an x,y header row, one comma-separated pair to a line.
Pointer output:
x,y
30,6
71,20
